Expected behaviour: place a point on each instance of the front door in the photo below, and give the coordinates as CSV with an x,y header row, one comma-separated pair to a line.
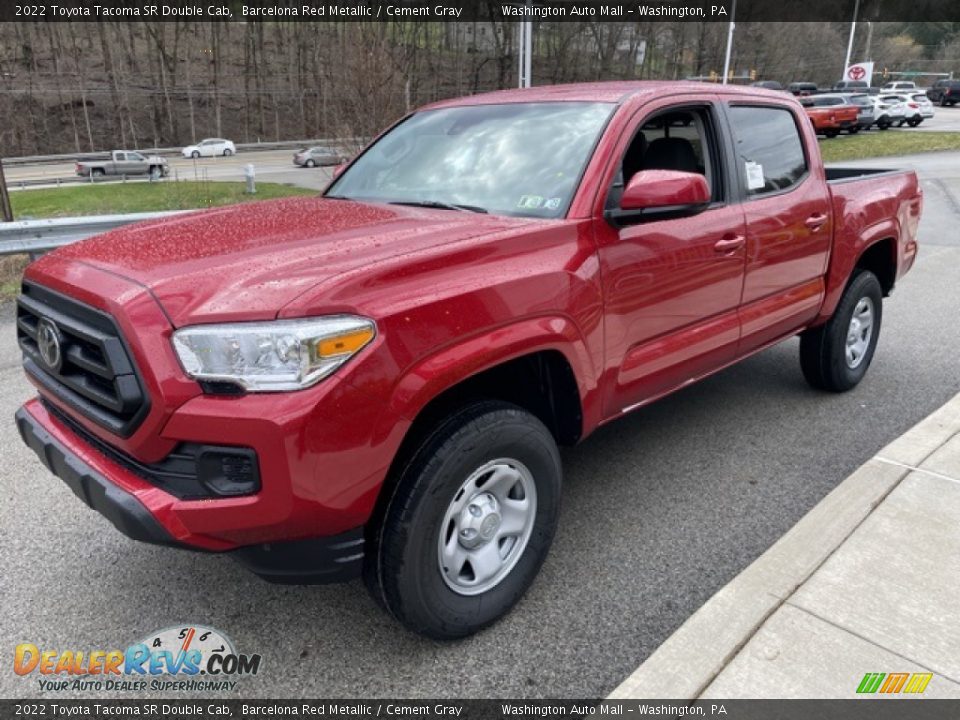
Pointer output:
x,y
671,286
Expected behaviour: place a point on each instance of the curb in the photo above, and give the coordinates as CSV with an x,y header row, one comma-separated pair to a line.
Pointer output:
x,y
690,659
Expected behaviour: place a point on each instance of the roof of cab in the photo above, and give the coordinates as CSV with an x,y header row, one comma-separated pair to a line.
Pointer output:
x,y
609,92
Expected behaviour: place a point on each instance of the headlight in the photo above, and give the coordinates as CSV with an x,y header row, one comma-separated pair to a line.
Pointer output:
x,y
272,356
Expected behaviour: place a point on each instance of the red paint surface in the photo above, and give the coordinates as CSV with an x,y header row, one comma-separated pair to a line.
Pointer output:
x,y
637,311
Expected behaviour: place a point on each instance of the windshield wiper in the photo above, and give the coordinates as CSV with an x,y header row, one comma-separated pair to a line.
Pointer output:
x,y
438,204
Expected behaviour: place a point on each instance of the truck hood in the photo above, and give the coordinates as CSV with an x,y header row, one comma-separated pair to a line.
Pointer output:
x,y
246,262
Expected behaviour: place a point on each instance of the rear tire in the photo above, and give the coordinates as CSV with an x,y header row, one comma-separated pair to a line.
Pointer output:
x,y
913,122
310,164
836,356
97,172
854,130
831,133
442,563
227,152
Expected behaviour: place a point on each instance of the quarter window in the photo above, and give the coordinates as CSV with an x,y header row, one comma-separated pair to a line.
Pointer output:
x,y
769,148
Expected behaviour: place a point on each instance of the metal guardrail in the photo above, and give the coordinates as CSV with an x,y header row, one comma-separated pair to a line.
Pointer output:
x,y
39,236
173,151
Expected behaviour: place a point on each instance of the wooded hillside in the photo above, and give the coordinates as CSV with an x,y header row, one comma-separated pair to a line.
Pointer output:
x,y
79,87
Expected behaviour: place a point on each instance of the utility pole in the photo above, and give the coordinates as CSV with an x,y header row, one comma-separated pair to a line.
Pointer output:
x,y
853,28
726,61
5,196
526,50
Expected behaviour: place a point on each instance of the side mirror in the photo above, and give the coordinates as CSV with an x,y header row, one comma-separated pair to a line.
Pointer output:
x,y
659,194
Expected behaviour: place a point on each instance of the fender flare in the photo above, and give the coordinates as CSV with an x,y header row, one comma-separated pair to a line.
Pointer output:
x,y
842,263
452,364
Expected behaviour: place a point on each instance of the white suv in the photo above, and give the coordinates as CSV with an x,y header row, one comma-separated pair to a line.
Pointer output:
x,y
917,107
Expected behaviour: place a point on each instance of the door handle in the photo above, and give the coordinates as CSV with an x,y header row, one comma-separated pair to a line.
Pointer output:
x,y
730,243
815,222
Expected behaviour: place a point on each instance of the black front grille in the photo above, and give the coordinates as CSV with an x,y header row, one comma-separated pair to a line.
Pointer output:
x,y
95,373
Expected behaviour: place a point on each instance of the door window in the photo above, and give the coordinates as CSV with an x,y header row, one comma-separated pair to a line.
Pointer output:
x,y
769,148
675,139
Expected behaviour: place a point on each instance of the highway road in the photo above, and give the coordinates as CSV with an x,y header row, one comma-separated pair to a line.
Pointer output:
x,y
270,166
661,509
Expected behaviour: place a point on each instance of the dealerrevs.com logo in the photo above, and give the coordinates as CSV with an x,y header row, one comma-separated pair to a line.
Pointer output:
x,y
183,658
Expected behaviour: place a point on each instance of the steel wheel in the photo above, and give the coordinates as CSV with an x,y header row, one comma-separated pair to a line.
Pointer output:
x,y
487,526
859,332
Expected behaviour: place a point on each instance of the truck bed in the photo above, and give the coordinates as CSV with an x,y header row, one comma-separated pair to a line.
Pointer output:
x,y
850,174
871,205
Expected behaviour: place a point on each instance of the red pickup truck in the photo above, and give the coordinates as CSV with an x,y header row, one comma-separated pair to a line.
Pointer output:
x,y
831,114
375,381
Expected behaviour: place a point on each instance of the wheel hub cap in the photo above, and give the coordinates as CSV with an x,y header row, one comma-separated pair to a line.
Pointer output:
x,y
479,521
487,526
859,332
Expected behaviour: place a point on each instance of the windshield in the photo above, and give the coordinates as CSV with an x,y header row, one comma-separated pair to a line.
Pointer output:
x,y
514,159
861,100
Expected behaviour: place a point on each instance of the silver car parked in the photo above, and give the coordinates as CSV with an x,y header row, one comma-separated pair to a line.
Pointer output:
x,y
318,155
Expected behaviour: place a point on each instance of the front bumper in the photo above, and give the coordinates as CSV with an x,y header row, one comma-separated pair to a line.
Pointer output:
x,y
126,513
315,560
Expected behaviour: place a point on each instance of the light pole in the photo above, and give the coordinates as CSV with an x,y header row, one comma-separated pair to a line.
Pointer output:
x,y
853,27
726,60
526,50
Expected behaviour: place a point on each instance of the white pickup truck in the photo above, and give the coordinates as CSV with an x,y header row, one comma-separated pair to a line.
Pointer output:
x,y
124,162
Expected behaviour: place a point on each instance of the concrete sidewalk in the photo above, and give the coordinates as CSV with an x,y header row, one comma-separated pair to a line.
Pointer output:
x,y
867,582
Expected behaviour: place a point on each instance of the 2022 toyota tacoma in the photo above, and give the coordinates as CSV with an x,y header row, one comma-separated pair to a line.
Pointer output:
x,y
377,380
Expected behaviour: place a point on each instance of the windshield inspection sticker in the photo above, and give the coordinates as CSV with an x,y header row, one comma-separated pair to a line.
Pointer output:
x,y
530,202
755,179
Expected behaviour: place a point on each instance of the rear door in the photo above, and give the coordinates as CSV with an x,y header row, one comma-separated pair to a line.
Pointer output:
x,y
671,286
788,217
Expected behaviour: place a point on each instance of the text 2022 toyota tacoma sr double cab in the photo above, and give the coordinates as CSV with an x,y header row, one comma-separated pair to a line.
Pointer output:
x,y
376,380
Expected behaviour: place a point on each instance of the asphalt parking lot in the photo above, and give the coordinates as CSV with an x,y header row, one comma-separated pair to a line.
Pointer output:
x,y
661,509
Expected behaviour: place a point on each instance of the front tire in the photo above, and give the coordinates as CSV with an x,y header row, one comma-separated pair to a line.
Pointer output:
x,y
227,152
310,164
470,522
835,356
195,154
831,133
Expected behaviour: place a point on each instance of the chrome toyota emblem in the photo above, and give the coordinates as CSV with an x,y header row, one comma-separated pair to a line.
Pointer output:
x,y
48,343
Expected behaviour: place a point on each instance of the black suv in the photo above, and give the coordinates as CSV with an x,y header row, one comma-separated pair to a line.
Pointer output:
x,y
945,92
